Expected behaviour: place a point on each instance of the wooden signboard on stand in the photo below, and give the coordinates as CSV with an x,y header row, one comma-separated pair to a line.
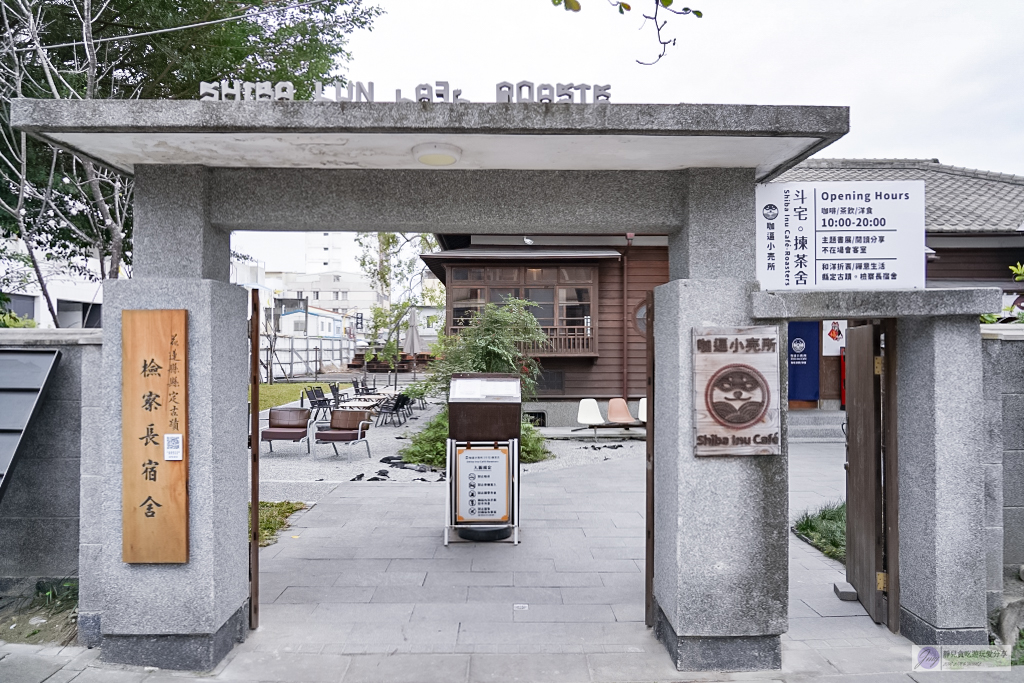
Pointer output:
x,y
154,436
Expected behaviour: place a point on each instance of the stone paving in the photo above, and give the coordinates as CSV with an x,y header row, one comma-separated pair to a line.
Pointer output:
x,y
361,588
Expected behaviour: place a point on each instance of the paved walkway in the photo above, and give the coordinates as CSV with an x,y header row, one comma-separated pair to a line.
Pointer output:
x,y
361,588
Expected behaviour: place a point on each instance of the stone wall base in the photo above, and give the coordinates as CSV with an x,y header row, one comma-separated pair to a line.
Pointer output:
x,y
89,633
917,630
725,653
192,652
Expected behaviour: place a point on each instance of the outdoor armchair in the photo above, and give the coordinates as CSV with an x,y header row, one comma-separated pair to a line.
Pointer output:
x,y
347,426
288,424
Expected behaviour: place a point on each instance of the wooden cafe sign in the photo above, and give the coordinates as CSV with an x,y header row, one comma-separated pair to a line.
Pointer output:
x,y
154,436
736,391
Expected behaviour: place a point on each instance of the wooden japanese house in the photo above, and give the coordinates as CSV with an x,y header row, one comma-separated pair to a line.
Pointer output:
x,y
590,301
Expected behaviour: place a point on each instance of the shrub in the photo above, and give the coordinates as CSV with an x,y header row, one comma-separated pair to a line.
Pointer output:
x,y
491,343
826,529
428,445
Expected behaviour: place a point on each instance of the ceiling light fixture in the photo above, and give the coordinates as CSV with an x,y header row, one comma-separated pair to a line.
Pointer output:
x,y
437,154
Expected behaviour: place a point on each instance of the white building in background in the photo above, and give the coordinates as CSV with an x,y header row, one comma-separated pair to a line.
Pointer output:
x,y
328,252
347,294
78,301
252,275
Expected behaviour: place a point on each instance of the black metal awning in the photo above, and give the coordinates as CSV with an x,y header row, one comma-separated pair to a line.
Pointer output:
x,y
24,377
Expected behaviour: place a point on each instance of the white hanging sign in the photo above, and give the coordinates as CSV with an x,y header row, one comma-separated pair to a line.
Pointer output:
x,y
841,235
833,337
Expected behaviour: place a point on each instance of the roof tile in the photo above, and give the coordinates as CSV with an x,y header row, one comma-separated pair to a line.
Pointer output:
x,y
957,200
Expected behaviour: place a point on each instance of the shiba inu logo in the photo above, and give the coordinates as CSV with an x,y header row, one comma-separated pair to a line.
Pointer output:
x,y
737,396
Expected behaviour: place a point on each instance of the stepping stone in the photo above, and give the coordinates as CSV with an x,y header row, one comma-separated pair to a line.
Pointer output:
x,y
844,590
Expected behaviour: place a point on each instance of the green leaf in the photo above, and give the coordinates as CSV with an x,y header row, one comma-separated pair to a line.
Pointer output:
x,y
573,5
666,3
697,13
624,6
556,3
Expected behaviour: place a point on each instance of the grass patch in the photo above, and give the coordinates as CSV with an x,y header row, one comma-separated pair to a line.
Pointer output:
x,y
273,395
427,446
273,518
826,529
48,616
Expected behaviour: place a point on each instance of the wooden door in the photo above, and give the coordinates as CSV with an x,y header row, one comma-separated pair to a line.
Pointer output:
x,y
865,535
650,617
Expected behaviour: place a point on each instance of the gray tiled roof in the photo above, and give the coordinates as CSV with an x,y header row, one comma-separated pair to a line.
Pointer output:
x,y
957,199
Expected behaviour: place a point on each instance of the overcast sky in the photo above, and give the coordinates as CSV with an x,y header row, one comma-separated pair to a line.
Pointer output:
x,y
923,78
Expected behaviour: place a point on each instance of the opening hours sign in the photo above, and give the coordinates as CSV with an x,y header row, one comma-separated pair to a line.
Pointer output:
x,y
841,235
154,436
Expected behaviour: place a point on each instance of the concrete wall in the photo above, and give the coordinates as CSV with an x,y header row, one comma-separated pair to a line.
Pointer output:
x,y
1003,347
39,515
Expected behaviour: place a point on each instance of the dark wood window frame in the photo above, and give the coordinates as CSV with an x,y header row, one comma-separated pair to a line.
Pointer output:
x,y
486,285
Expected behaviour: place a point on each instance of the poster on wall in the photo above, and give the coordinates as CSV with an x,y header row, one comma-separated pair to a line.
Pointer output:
x,y
803,361
833,337
736,391
860,235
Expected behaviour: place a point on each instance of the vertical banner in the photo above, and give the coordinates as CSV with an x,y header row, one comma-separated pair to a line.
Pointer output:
x,y
154,436
736,391
803,361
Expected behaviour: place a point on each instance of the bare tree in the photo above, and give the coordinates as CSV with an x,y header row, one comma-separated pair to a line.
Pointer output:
x,y
62,208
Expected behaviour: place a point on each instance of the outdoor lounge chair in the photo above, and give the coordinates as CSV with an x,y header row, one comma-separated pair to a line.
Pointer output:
x,y
288,424
347,426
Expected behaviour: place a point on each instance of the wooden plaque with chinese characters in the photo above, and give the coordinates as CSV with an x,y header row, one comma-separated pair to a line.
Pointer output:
x,y
154,436
736,391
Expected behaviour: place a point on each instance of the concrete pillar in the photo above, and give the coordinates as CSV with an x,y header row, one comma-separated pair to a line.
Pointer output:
x,y
942,480
994,352
721,554
181,616
172,236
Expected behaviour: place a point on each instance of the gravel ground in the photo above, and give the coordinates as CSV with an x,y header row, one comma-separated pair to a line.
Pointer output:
x,y
289,473
571,453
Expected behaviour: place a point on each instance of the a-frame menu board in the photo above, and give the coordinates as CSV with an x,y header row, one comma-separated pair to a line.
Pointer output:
x,y
154,436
